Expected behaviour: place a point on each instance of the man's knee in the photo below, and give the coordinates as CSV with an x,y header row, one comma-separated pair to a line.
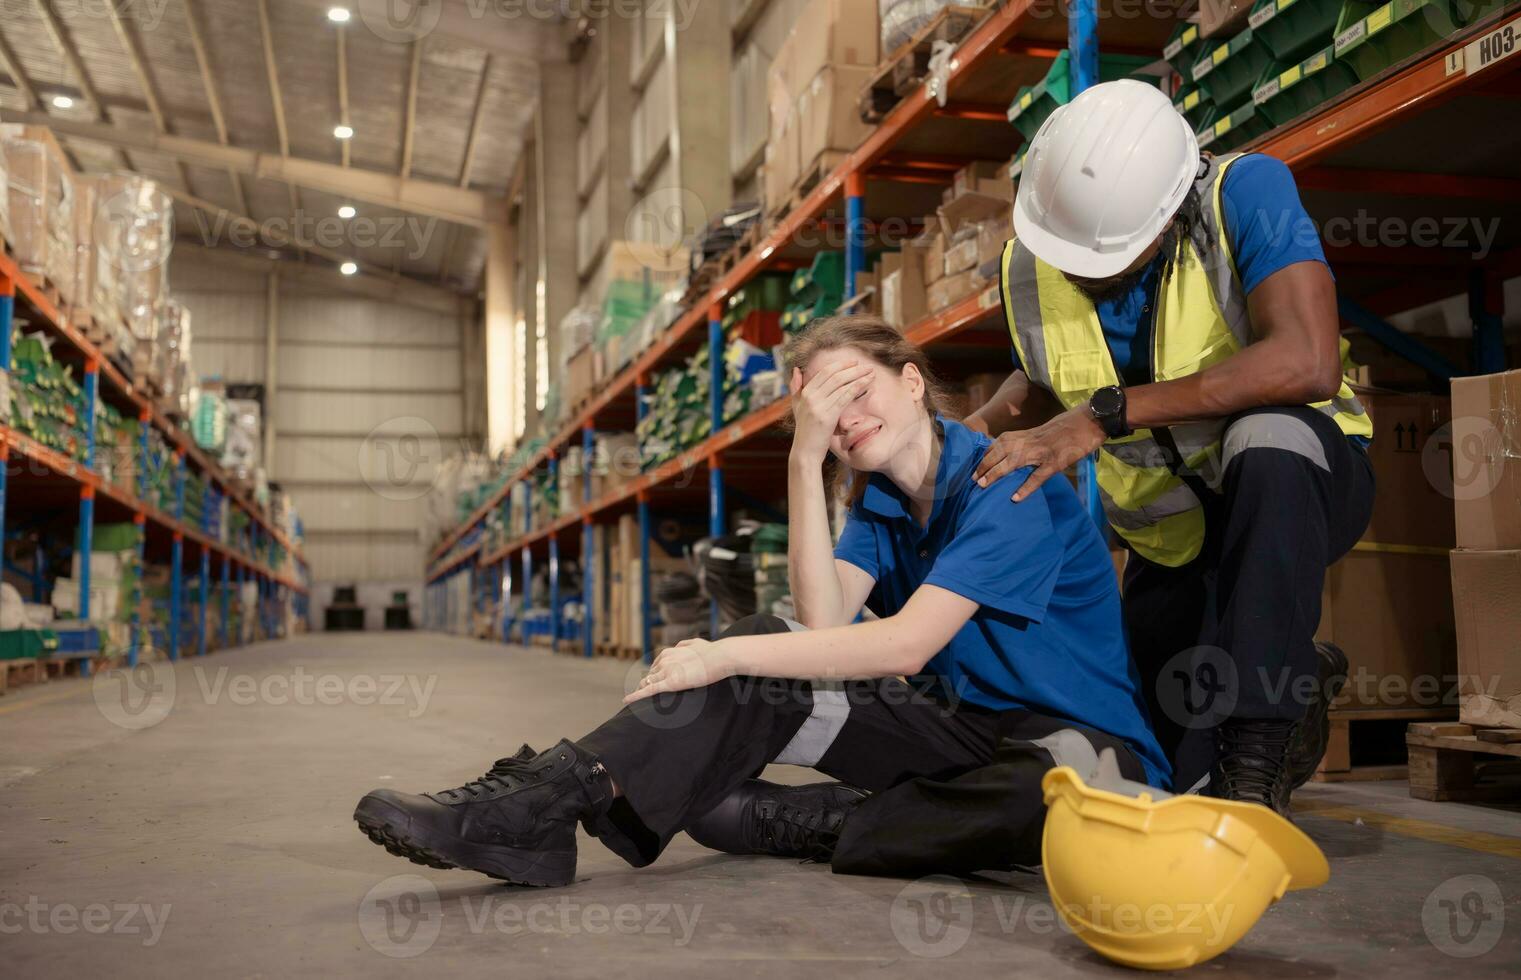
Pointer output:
x,y
760,624
1275,437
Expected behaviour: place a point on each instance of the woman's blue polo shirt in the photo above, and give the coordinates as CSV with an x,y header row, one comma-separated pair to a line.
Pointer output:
x,y
1048,635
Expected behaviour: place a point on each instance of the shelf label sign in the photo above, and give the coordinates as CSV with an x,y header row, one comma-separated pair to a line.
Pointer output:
x,y
1191,100
1493,46
1380,19
1267,91
1351,36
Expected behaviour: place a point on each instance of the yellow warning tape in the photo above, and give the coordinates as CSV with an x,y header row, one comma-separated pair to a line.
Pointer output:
x,y
1473,840
1401,549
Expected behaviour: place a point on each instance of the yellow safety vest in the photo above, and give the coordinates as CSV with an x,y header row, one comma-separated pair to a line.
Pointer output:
x,y
1201,319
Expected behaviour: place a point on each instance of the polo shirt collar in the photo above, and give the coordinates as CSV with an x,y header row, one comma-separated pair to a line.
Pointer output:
x,y
958,458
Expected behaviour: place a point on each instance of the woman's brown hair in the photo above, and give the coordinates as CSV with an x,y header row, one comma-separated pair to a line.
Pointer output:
x,y
873,337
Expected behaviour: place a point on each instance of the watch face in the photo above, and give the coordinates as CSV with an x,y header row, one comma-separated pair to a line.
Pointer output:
x,y
1105,401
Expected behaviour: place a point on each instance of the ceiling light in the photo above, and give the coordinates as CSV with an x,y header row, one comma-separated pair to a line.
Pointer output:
x,y
347,211
349,268
343,132
62,102
338,15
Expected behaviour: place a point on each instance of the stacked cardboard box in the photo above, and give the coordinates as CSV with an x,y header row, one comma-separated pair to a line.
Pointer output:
x,y
964,239
1387,603
812,88
1486,566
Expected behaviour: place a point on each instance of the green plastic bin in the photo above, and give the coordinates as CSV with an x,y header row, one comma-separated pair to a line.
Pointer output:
x,y
1371,39
1194,106
1304,86
1183,48
1240,125
1034,104
1232,69
1292,30
27,644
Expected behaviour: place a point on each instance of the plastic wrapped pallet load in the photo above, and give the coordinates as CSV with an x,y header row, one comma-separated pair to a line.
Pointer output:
x,y
134,234
26,164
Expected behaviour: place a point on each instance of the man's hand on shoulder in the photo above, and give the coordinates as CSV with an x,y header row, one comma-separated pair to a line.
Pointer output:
x,y
1049,448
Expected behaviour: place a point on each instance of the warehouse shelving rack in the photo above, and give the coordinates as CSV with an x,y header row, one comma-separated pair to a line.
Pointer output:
x,y
38,485
1371,146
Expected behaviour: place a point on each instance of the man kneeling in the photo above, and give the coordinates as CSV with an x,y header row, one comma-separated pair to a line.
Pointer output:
x,y
1006,618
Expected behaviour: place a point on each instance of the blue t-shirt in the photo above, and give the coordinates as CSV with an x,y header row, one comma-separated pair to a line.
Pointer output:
x,y
1047,635
1268,228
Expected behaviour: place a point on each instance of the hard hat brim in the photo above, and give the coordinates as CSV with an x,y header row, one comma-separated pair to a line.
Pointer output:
x,y
1066,257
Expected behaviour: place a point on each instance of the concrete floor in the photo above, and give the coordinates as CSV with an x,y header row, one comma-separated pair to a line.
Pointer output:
x,y
206,828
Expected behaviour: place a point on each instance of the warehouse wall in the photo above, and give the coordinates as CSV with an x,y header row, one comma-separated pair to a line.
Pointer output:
x,y
370,396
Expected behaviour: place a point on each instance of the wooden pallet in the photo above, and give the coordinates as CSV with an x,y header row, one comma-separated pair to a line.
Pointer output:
x,y
902,71
822,166
746,244
1355,730
1459,762
14,673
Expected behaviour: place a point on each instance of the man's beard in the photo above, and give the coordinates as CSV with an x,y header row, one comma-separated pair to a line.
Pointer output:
x,y
1105,290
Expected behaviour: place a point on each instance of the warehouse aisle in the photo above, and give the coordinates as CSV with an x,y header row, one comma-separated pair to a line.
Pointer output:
x,y
217,835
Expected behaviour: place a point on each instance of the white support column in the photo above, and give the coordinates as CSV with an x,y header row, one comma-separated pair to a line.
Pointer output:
x,y
501,314
271,359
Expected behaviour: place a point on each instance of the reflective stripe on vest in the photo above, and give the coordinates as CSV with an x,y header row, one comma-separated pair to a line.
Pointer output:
x,y
1201,319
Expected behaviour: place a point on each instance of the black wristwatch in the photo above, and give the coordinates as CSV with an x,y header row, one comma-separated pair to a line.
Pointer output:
x,y
1108,408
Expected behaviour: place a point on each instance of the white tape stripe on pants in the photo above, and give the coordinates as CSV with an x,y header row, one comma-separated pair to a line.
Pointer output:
x,y
830,710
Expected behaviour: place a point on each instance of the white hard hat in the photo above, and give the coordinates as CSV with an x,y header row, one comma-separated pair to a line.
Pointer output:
x,y
1102,177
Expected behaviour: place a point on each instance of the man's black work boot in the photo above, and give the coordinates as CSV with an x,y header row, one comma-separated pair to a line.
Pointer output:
x,y
1314,729
1251,764
516,823
787,821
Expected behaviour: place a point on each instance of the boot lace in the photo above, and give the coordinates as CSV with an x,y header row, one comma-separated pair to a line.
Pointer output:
x,y
1253,757
809,832
504,774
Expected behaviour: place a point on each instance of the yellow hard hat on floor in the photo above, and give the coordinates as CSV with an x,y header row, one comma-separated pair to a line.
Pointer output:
x,y
1162,882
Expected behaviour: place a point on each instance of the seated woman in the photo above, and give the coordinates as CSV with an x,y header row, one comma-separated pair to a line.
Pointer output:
x,y
1005,618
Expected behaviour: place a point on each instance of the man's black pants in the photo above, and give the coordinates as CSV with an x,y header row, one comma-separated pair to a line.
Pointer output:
x,y
955,787
1231,634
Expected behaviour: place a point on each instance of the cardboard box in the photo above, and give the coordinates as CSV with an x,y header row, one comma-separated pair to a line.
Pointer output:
x,y
1485,589
972,209
829,33
1486,460
1386,369
827,114
1392,614
1222,17
992,236
780,171
952,289
934,259
903,289
1410,506
961,256
980,388
971,176
579,376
